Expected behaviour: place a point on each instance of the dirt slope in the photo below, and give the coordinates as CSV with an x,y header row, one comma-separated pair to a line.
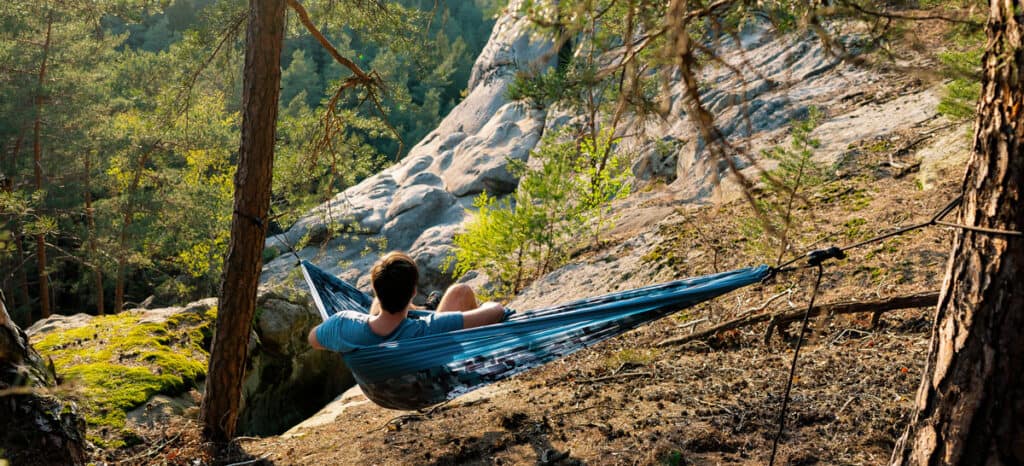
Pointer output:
x,y
630,401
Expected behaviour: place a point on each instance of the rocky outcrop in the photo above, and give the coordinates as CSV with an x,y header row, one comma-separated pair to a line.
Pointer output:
x,y
421,202
285,382
765,83
418,204
34,428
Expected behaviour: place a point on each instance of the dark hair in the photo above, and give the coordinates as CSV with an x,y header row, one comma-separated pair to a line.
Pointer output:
x,y
394,279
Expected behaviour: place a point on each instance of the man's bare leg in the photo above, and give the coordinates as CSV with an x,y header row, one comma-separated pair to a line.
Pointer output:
x,y
458,298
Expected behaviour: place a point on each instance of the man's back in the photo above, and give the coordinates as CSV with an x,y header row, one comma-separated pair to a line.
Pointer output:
x,y
349,330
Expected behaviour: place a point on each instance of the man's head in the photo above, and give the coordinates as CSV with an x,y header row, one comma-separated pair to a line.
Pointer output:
x,y
394,279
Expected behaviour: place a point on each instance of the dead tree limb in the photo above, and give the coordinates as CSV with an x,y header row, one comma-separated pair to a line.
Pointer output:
x,y
849,307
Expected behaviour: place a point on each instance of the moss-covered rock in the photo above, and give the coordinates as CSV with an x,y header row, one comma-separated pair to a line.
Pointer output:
x,y
126,363
115,363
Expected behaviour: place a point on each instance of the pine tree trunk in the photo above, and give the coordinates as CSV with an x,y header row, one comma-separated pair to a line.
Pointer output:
x,y
970,406
37,152
127,216
261,85
26,295
23,299
119,280
91,225
97,274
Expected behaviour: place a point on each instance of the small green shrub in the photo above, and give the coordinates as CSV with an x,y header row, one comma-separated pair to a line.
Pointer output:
x,y
673,458
563,197
769,229
959,99
962,65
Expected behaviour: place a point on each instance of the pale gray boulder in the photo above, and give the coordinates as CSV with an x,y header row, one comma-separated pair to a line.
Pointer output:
x,y
418,204
480,163
412,209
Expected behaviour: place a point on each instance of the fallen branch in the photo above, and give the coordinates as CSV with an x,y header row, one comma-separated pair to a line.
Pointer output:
x,y
764,305
782,318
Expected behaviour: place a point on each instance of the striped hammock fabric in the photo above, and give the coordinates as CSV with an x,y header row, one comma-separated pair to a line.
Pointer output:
x,y
418,372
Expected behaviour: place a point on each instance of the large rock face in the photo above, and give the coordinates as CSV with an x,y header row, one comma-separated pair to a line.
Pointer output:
x,y
418,204
287,381
421,202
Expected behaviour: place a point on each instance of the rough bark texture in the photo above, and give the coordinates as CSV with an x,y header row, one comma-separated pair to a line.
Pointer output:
x,y
261,81
34,429
90,216
970,406
37,152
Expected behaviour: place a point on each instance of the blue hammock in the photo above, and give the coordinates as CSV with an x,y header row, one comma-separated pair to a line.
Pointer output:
x,y
418,372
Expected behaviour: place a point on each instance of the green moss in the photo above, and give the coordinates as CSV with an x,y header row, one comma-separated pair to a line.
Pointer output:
x,y
854,230
874,274
878,146
673,458
641,357
117,362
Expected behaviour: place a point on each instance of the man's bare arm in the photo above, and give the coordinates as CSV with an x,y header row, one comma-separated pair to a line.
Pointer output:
x,y
312,339
488,313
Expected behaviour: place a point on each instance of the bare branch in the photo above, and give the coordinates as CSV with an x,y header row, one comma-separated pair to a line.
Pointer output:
x,y
925,299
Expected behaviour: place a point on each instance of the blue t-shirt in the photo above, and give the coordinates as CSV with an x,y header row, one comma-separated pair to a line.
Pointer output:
x,y
349,330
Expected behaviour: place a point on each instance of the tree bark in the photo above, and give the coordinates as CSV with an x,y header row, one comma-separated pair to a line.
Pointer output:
x,y
970,405
23,288
37,152
127,216
261,85
24,298
90,216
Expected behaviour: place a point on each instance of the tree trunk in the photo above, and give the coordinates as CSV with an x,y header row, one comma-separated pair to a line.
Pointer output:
x,y
127,214
26,295
37,152
261,85
91,225
970,405
24,300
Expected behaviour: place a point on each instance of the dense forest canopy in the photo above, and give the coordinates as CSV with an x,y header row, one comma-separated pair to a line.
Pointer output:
x,y
119,129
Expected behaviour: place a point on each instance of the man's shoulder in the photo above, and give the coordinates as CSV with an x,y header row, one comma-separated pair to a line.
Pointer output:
x,y
345,330
353,315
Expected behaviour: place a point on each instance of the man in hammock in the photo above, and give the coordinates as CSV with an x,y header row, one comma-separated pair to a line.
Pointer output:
x,y
394,279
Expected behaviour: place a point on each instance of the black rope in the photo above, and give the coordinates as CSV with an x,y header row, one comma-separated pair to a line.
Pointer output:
x,y
792,367
817,257
252,218
834,252
298,260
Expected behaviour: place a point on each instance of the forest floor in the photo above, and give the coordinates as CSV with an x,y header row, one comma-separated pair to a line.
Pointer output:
x,y
632,401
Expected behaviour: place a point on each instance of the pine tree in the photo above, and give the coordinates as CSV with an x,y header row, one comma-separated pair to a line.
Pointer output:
x,y
300,78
